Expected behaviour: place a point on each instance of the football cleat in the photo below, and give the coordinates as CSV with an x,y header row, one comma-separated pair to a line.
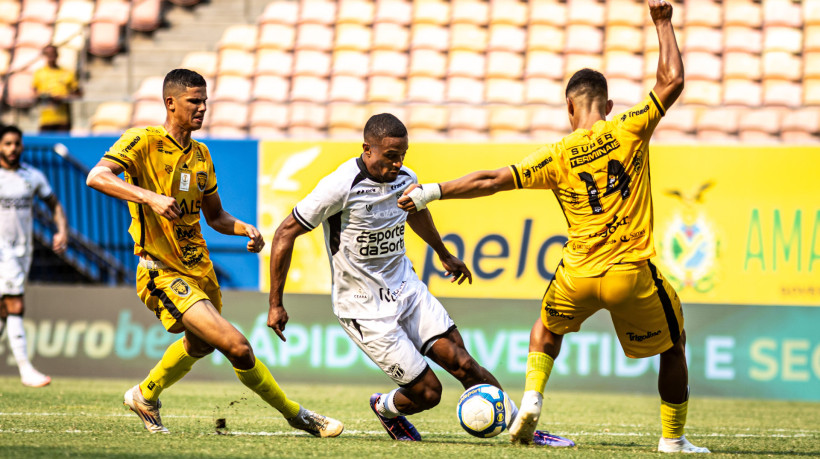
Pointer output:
x,y
399,428
544,438
316,424
679,445
33,378
522,429
147,411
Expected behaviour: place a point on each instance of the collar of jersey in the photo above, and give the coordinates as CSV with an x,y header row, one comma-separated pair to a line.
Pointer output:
x,y
365,172
176,144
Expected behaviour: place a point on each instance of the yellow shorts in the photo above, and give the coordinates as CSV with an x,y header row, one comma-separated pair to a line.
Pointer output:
x,y
169,294
645,309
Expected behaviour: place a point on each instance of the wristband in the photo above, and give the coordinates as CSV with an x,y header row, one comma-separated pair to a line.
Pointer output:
x,y
425,194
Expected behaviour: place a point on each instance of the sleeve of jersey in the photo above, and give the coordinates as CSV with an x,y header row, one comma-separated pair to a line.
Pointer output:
x,y
535,171
210,182
642,119
128,148
44,190
324,201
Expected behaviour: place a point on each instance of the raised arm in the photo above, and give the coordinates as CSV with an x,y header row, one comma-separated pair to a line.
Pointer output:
x,y
421,223
219,219
103,178
472,185
281,253
669,78
60,240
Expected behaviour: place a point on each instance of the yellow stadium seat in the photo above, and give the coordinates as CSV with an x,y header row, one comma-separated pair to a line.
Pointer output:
x,y
273,62
744,13
9,12
42,11
623,64
425,89
147,113
355,12
548,12
388,63
5,61
317,12
812,38
202,62
352,63
7,33
375,108
314,36
778,38
271,88
429,36
545,64
742,65
625,91
702,66
276,36
811,91
702,13
239,37
575,62
543,91
801,126
625,13
782,93
472,12
504,91
743,92
309,88
468,117
783,13
505,37
718,125
468,37
584,39
280,13
624,38
232,88
236,62
386,89
111,117
427,117
759,126
504,64
707,39
511,12
150,89
782,65
356,37
465,90
466,64
509,123
77,11
267,133
677,126
347,116
308,115
229,114
427,62
311,62
811,12
394,11
69,35
701,92
586,12
811,64
431,12
542,37
270,114
390,36
550,119
344,88
34,34
743,39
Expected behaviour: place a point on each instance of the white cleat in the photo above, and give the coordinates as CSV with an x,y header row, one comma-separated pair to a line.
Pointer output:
x,y
147,411
679,445
523,426
33,378
316,424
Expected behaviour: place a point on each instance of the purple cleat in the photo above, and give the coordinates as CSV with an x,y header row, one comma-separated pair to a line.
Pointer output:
x,y
399,428
543,438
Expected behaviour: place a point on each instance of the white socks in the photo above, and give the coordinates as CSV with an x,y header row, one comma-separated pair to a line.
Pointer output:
x,y
386,406
17,341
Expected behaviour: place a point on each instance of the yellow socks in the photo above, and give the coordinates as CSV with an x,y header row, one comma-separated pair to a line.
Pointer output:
x,y
175,364
539,366
673,418
260,380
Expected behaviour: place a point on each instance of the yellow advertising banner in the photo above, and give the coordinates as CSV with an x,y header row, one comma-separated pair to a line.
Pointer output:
x,y
735,225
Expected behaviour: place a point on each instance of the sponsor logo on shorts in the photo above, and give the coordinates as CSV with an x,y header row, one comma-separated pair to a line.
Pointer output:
x,y
639,338
556,313
180,287
395,371
201,178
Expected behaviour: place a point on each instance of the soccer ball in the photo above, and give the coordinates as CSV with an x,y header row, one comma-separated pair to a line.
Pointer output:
x,y
483,410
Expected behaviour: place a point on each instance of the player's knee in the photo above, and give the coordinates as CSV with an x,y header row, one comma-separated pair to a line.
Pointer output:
x,y
200,352
239,351
431,396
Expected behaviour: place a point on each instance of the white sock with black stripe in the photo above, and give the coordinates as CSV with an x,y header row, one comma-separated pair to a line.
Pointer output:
x,y
386,406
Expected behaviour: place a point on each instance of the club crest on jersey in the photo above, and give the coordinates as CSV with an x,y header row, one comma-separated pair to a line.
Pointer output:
x,y
180,287
201,179
395,371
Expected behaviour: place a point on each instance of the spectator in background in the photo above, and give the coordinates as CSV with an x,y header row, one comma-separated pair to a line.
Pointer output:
x,y
55,87
19,183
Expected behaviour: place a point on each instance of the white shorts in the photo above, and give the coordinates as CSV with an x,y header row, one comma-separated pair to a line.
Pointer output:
x,y
397,344
13,273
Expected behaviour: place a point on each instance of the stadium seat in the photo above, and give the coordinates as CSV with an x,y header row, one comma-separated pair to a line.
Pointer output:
x,y
317,12
386,89
429,36
811,91
104,39
811,12
267,133
274,62
468,118
9,12
354,37
280,13
69,35
433,117
706,39
801,126
625,13
742,39
781,65
547,12
375,108
702,66
466,64
512,12
311,62
468,37
269,114
20,93
431,12
782,93
466,90
542,37
390,36
77,11
111,117
185,3
276,36
145,15
701,92
351,63
425,89
236,62
68,59
782,13
471,12
742,65
115,12
584,39
759,126
623,64
26,59
150,88
427,135
503,64
232,89
5,61
504,91
7,34
543,91
623,38
787,39
309,89
744,13
42,11
427,62
227,132
811,41
394,11
344,88
308,115
625,91
148,113
509,123
575,62
811,64
202,62
242,37
505,37
272,88
586,12
677,125
355,12
719,125
317,37
229,114
544,64
707,13
742,91
346,120
388,63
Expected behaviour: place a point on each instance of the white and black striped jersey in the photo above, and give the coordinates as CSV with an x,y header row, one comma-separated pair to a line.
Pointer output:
x,y
17,190
364,237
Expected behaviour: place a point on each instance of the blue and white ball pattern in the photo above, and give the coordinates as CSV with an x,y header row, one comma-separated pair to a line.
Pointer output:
x,y
483,410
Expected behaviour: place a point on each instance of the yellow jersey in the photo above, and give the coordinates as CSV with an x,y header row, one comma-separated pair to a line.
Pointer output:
x,y
153,160
601,180
54,82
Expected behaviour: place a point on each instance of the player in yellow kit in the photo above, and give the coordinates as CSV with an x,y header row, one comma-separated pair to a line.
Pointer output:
x,y
169,180
600,176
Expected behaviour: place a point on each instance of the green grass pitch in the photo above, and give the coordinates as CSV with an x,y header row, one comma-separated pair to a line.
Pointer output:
x,y
86,418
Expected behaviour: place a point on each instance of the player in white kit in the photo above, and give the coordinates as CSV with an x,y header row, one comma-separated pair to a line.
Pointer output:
x,y
19,184
377,296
